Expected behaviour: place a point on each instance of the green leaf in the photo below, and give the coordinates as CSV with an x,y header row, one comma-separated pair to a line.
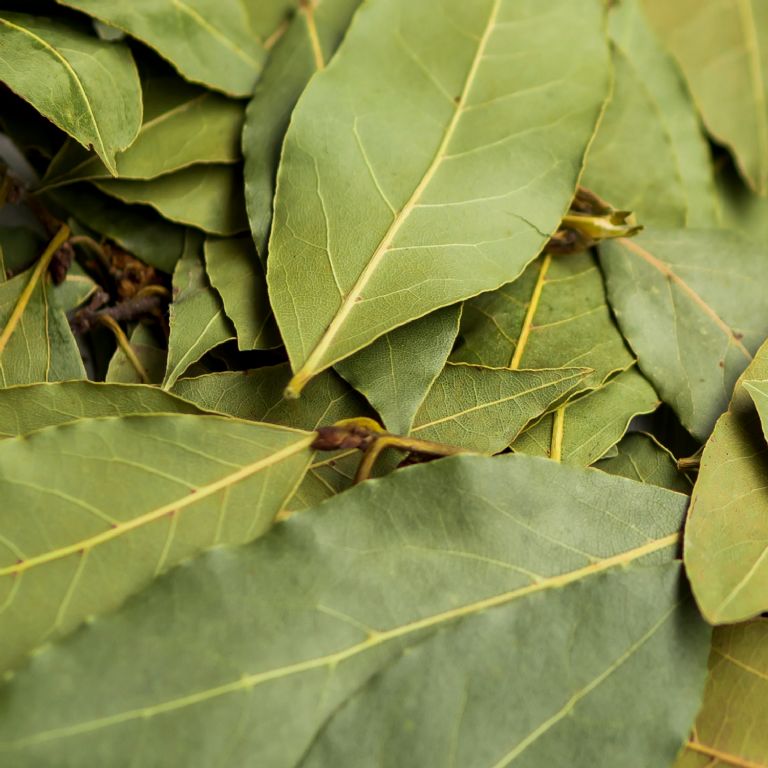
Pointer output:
x,y
268,19
429,160
209,197
554,315
722,48
19,247
396,372
207,41
361,629
649,155
583,430
90,88
25,409
95,509
758,391
174,112
726,556
136,228
484,409
692,306
308,43
730,728
197,319
76,289
149,349
237,274
640,457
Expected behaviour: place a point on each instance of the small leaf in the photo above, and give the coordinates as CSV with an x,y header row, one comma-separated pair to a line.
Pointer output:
x,y
692,306
364,628
90,88
458,213
207,41
396,372
148,349
237,274
209,197
197,319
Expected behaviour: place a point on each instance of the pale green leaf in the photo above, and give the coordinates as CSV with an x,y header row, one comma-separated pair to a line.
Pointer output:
x,y
237,274
149,348
25,409
418,168
207,41
484,409
95,509
396,372
209,197
183,125
89,88
197,319
584,429
722,47
362,629
649,155
307,45
726,554
77,287
268,19
640,457
692,305
554,315
730,728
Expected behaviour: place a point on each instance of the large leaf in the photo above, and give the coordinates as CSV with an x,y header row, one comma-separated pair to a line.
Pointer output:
x,y
554,315
183,125
25,409
484,409
197,319
730,729
90,88
237,274
207,41
396,372
95,509
692,305
306,46
475,190
649,155
722,47
726,554
581,431
209,197
640,457
362,629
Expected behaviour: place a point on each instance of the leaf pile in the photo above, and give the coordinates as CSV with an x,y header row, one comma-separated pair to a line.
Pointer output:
x,y
383,383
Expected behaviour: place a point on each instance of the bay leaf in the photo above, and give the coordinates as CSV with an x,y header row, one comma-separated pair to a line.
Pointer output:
x,y
19,247
758,391
183,125
207,41
25,409
726,556
89,88
722,48
691,305
308,43
484,409
459,213
554,315
267,19
238,276
209,197
397,371
197,320
76,289
149,348
729,729
582,430
95,509
387,621
640,457
649,155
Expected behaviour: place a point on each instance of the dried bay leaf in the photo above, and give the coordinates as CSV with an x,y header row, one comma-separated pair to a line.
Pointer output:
x,y
90,88
692,305
387,620
149,348
459,213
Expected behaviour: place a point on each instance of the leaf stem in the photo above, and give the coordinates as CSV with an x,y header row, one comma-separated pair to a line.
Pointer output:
x,y
40,268
533,307
125,346
722,756
558,425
